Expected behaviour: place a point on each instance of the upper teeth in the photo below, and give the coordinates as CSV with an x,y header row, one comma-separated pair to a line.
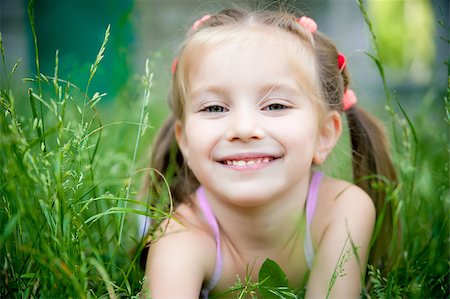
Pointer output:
x,y
248,162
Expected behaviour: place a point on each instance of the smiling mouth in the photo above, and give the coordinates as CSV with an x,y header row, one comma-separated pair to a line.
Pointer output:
x,y
249,159
247,162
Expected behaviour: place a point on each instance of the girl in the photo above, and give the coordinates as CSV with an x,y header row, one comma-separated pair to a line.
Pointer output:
x,y
257,100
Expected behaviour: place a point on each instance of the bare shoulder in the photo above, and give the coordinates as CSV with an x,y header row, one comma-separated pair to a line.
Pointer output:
x,y
185,219
345,196
341,201
342,228
181,255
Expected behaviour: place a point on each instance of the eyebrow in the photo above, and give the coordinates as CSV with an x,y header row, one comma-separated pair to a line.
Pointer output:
x,y
207,89
267,89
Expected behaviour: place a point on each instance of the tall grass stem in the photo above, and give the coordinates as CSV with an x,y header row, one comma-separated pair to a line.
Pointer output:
x,y
147,79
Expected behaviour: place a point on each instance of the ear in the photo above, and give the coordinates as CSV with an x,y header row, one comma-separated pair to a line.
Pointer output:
x,y
328,136
181,139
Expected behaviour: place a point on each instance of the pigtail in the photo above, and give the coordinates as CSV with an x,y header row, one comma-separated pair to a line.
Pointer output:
x,y
374,172
370,150
167,166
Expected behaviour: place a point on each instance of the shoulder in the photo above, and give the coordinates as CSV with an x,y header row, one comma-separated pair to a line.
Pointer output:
x,y
182,254
342,229
343,199
345,205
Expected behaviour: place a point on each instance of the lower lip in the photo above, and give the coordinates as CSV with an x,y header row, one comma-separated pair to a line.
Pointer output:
x,y
252,167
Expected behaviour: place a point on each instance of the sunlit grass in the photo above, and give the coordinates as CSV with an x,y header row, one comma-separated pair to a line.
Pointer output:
x,y
68,202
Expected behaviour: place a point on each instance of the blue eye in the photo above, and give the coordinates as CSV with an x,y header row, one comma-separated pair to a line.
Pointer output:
x,y
214,109
275,106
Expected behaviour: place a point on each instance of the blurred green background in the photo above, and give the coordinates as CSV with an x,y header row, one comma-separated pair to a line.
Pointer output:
x,y
408,32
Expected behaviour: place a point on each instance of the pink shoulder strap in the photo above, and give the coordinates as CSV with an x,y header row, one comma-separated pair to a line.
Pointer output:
x,y
212,222
311,202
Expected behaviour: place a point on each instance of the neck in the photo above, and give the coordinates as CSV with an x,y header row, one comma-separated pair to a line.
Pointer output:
x,y
272,224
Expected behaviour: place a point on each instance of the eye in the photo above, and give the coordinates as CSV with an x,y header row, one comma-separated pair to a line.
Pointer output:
x,y
275,107
214,109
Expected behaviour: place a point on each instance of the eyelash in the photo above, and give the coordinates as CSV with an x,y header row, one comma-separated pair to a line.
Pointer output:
x,y
214,109
277,105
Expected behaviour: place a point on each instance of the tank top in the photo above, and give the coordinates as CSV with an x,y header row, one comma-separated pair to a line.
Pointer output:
x,y
311,201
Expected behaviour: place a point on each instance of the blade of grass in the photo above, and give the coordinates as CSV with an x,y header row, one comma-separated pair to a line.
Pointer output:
x,y
415,143
16,65
101,270
378,62
39,130
337,272
2,50
84,126
38,68
94,67
147,88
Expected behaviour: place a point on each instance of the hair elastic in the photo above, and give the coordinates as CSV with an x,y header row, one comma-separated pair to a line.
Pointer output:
x,y
342,62
349,99
196,24
308,23
200,21
174,65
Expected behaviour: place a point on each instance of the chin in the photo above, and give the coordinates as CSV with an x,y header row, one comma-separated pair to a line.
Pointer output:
x,y
248,196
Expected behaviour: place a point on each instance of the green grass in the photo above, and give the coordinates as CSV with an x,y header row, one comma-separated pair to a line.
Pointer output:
x,y
68,202
69,185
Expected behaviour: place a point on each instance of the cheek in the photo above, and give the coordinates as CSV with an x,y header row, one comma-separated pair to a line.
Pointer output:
x,y
295,130
198,137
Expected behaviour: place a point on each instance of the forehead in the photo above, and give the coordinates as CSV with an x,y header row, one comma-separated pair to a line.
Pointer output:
x,y
252,53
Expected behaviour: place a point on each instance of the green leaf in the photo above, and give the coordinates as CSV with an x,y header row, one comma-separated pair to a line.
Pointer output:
x,y
8,228
28,275
271,277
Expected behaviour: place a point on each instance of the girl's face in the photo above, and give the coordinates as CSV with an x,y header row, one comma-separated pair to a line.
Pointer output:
x,y
250,132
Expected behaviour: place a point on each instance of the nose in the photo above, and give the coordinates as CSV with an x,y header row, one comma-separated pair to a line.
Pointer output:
x,y
244,126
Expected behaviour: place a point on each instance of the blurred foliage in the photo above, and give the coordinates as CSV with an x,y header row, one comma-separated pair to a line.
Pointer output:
x,y
75,28
405,30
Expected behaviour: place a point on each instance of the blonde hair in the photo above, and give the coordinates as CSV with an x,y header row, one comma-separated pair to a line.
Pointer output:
x,y
371,160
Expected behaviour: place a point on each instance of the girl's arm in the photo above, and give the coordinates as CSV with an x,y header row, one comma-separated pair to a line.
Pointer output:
x,y
178,263
351,224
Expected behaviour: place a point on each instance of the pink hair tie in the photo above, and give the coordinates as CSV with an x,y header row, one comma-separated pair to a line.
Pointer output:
x,y
196,24
349,99
308,23
174,65
342,62
200,22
